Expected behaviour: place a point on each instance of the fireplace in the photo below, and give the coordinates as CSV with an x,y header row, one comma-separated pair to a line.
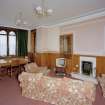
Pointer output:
x,y
87,68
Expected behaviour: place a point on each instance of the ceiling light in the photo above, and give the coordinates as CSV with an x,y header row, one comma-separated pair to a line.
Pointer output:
x,y
43,10
20,21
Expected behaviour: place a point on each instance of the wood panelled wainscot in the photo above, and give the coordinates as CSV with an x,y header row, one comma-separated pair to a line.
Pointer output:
x,y
47,59
100,65
72,64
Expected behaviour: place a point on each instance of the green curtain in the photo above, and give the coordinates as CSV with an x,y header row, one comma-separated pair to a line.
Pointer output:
x,y
22,40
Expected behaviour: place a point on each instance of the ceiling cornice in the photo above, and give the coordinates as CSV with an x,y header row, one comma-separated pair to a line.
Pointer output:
x,y
82,18
16,27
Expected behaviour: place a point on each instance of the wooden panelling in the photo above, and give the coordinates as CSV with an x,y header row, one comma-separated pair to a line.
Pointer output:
x,y
75,63
68,65
41,59
72,63
52,59
100,62
66,45
47,59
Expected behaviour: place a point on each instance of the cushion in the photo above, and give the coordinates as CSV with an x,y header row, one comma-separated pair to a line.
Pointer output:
x,y
103,75
31,68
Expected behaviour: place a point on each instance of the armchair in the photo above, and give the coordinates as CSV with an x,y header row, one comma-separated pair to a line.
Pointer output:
x,y
101,80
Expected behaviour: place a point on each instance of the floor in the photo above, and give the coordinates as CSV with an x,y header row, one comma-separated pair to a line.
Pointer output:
x,y
10,94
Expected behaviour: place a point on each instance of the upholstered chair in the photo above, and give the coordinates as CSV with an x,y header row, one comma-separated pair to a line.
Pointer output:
x,y
34,68
101,80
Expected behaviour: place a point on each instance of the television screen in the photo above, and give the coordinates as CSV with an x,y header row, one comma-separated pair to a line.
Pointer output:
x,y
60,62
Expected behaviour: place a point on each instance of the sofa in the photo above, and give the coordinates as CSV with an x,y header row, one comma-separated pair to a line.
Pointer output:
x,y
57,91
101,80
34,68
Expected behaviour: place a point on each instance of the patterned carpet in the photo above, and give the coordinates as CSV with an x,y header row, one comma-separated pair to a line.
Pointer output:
x,y
10,94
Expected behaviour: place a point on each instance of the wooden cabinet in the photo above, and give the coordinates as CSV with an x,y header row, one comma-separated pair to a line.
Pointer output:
x,y
66,50
60,69
72,65
66,45
75,63
68,65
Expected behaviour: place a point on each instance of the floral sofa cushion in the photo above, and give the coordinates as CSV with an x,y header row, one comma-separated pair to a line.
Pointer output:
x,y
33,68
57,91
101,80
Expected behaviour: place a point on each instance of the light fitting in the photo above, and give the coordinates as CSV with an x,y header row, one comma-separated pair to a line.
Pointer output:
x,y
43,10
20,21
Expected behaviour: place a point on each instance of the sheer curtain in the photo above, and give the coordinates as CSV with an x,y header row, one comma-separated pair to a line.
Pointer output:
x,y
12,43
3,43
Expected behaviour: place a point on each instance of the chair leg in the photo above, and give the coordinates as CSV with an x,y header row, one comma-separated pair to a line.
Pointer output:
x,y
0,68
22,68
9,71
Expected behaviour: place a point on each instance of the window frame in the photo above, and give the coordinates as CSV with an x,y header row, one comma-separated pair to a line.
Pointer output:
x,y
7,30
7,41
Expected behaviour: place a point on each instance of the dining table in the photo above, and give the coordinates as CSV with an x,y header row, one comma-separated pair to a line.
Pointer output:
x,y
10,63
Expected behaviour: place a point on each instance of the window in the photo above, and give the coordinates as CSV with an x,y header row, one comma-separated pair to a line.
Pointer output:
x,y
12,43
3,43
7,43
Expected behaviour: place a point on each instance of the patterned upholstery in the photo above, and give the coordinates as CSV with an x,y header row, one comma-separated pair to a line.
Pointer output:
x,y
102,83
33,68
57,91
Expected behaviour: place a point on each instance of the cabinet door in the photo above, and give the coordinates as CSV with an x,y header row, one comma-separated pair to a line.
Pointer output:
x,y
68,66
75,63
72,65
66,45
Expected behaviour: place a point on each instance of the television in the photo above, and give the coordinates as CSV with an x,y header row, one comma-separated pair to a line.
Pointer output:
x,y
60,62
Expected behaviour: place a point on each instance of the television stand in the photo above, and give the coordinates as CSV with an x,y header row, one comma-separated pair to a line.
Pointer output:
x,y
60,70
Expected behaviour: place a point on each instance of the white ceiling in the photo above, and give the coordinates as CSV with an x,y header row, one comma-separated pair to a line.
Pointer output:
x,y
63,10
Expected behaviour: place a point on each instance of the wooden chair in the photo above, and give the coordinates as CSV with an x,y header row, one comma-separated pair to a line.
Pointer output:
x,y
14,68
4,69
